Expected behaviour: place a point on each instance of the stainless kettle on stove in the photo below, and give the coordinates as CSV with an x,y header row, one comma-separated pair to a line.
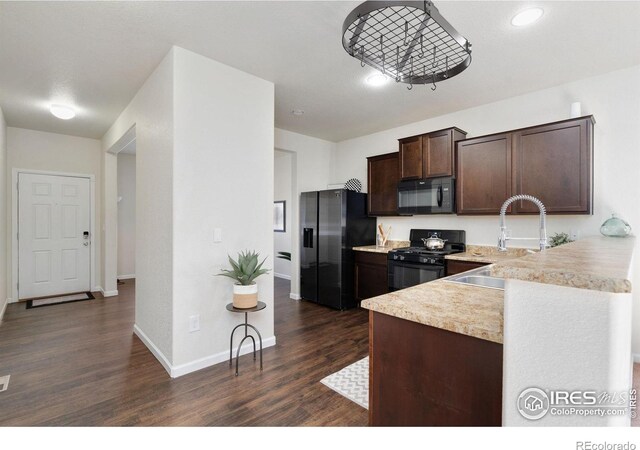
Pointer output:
x,y
434,242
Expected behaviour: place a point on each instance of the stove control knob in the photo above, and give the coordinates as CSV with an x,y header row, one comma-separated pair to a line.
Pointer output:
x,y
401,258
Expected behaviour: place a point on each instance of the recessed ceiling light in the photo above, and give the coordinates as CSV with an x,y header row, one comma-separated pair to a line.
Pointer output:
x,y
297,112
377,79
527,17
62,112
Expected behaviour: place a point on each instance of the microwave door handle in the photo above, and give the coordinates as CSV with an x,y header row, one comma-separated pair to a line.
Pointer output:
x,y
440,196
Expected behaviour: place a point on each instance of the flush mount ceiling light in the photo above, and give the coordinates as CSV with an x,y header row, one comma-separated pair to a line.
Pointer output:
x,y
408,41
527,17
377,79
297,112
62,112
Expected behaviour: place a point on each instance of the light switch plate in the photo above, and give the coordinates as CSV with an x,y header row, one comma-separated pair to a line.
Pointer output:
x,y
194,323
217,235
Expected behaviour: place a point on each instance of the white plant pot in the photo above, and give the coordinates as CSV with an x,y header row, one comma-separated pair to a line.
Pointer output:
x,y
245,297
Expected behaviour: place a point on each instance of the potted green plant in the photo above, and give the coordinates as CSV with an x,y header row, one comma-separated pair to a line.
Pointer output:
x,y
244,271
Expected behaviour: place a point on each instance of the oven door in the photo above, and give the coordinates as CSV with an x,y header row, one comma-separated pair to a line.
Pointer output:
x,y
403,275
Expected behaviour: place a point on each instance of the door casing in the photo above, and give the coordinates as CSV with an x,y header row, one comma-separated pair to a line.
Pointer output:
x,y
14,225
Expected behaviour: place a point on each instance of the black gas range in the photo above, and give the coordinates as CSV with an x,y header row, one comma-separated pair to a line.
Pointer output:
x,y
409,266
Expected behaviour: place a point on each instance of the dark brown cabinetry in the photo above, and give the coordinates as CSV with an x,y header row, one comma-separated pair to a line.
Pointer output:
x,y
426,376
429,155
382,179
483,181
552,162
456,266
370,275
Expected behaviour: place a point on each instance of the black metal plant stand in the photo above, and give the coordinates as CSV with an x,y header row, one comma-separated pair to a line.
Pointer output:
x,y
246,325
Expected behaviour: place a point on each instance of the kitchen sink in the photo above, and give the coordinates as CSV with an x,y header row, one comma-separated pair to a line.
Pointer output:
x,y
478,277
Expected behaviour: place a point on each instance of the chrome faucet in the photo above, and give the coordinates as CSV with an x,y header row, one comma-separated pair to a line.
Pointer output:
x,y
502,240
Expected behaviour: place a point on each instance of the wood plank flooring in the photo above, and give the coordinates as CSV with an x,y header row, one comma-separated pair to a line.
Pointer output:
x,y
80,364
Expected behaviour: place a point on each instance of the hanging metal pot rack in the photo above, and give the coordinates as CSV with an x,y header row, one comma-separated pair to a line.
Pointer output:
x,y
408,41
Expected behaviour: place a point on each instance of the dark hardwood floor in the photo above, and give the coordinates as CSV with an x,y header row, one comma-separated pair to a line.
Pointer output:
x,y
80,364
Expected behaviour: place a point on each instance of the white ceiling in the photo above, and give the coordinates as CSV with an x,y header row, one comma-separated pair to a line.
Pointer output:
x,y
96,55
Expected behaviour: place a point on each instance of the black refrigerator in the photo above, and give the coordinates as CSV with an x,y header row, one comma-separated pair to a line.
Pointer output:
x,y
332,223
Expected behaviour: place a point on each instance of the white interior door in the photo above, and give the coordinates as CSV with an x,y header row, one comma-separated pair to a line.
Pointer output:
x,y
54,222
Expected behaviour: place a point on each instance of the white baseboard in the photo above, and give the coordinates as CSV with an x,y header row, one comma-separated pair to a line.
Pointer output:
x,y
294,296
636,357
10,300
183,369
152,348
281,275
126,277
109,293
4,308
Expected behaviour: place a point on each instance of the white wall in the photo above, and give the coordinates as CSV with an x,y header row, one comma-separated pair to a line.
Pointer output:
x,y
126,215
38,150
311,161
282,191
223,178
4,219
614,101
151,112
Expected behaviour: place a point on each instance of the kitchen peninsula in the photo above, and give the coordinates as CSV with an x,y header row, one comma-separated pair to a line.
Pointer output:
x,y
443,353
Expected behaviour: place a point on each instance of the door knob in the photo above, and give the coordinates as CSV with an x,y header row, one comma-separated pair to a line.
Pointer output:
x,y
85,244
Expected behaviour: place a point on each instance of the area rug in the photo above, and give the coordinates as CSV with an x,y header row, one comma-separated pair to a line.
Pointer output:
x,y
352,382
58,300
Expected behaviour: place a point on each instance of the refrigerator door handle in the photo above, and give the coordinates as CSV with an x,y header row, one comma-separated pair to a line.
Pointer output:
x,y
308,238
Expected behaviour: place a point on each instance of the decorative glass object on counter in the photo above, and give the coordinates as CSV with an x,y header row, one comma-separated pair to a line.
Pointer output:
x,y
615,227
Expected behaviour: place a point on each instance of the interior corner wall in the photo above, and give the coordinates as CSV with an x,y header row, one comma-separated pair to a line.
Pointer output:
x,y
151,112
126,215
43,151
223,178
612,98
312,160
4,218
282,192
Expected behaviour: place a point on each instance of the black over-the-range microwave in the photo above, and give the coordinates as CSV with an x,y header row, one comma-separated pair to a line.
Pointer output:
x,y
428,196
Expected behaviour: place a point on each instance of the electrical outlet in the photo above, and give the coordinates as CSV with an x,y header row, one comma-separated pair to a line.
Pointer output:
x,y
194,323
574,234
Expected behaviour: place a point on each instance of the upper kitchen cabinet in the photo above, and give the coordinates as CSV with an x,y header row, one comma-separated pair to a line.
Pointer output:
x,y
429,155
554,163
410,158
382,179
483,180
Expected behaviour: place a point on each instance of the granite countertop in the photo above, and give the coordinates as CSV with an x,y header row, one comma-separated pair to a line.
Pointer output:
x,y
375,249
469,310
488,254
596,263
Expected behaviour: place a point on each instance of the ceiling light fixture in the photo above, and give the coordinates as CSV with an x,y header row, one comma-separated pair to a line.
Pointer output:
x,y
527,17
297,112
406,40
377,80
62,112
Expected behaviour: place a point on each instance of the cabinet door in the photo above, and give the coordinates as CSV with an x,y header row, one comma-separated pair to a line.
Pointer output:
x,y
382,176
554,163
411,158
483,174
438,154
370,275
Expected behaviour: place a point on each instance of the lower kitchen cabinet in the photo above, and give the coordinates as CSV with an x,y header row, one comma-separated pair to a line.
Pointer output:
x,y
370,275
426,376
456,266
